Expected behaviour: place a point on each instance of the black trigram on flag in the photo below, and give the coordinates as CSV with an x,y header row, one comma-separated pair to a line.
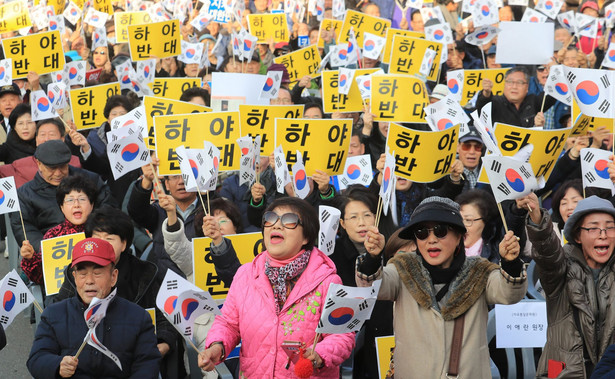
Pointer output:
x,y
177,318
363,162
571,77
604,106
8,186
588,157
329,304
504,188
200,159
12,282
116,147
188,331
320,324
119,167
363,305
23,298
208,308
590,177
144,155
325,216
525,172
172,284
341,293
605,80
329,245
496,166
4,320
10,203
354,323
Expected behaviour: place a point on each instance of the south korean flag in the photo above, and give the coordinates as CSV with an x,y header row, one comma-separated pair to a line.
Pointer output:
x,y
271,88
72,13
347,308
592,90
509,178
56,93
41,106
127,154
6,72
282,176
595,169
15,297
99,38
301,184
358,170
329,219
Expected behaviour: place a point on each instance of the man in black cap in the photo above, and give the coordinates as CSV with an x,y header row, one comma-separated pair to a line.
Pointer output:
x,y
470,150
37,198
10,97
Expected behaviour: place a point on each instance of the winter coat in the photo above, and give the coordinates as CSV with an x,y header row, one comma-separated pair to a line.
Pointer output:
x,y
15,148
569,287
504,111
424,327
249,314
24,169
40,209
127,331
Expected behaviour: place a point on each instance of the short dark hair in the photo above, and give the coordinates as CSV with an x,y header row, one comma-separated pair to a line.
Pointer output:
x,y
520,69
77,183
486,205
556,200
117,101
356,192
20,110
111,221
193,92
307,215
55,121
313,104
219,204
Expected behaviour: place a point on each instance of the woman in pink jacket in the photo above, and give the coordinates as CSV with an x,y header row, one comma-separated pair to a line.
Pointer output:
x,y
279,297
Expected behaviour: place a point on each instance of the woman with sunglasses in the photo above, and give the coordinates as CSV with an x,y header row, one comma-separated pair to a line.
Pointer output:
x,y
579,283
437,289
279,296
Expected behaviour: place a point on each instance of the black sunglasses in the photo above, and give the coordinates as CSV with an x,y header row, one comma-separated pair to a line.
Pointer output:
x,y
288,220
440,231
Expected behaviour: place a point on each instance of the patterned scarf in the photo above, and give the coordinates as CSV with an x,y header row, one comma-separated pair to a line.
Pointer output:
x,y
278,276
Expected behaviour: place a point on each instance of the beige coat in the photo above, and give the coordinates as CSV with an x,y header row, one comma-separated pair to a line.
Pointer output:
x,y
424,328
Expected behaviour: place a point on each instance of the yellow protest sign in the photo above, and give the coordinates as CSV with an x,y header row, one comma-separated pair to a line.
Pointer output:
x,y
160,39
152,314
41,52
384,351
123,19
473,82
269,26
247,246
422,157
88,104
163,107
407,55
14,16
260,120
334,101
328,29
172,88
391,33
361,23
58,6
105,6
400,98
584,123
56,254
308,137
548,145
220,128
301,62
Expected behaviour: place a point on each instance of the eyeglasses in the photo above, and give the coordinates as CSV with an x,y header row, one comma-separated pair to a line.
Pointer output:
x,y
597,232
72,200
469,221
223,221
102,52
466,146
368,217
440,231
513,83
25,123
288,220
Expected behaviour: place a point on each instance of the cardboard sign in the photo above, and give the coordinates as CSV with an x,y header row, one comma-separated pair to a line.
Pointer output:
x,y
422,157
407,55
220,128
104,6
301,62
14,16
336,102
88,104
269,26
521,325
260,120
58,6
247,246
384,348
328,26
160,39
123,19
584,123
361,22
163,107
399,98
473,82
173,88
548,145
56,254
391,33
323,143
41,52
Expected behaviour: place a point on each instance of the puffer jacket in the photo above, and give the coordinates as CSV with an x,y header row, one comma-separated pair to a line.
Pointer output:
x,y
569,287
424,327
249,315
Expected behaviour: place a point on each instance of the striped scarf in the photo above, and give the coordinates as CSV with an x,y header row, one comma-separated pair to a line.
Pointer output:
x,y
278,276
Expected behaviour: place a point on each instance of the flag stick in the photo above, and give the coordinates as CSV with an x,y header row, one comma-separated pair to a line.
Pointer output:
x,y
157,183
85,341
315,341
483,53
22,226
542,107
37,305
569,42
503,218
193,345
208,206
584,192
378,210
198,191
529,208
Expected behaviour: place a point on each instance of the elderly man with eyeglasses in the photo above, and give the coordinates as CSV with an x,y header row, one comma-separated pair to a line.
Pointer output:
x,y
515,106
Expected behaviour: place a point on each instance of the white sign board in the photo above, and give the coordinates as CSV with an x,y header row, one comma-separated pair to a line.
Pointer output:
x,y
521,325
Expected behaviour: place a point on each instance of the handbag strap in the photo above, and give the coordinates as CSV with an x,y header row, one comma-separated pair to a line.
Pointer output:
x,y
453,364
